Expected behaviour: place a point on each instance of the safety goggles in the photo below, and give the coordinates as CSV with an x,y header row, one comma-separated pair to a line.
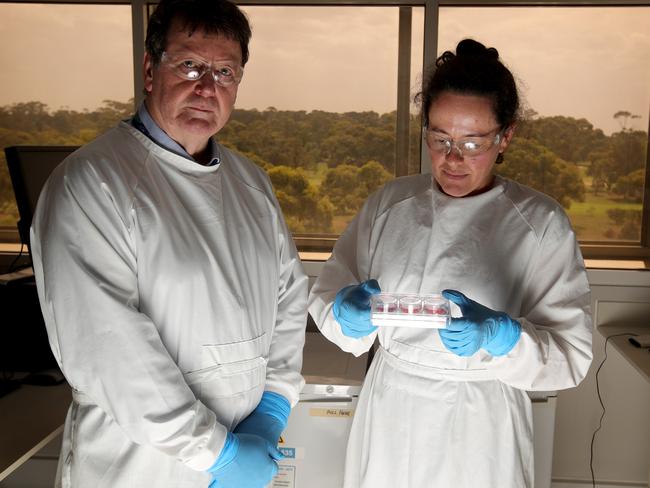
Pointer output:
x,y
193,68
467,147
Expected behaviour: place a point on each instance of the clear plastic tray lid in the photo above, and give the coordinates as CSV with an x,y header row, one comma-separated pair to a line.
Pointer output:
x,y
410,310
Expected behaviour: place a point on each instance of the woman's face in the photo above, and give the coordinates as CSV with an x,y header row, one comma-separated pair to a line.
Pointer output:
x,y
464,122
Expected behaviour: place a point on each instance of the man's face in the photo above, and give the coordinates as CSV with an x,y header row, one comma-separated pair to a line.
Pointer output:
x,y
191,111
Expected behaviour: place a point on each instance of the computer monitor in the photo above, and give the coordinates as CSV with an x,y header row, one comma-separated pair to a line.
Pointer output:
x,y
29,168
24,345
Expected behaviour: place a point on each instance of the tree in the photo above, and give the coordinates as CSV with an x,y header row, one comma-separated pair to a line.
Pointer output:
x,y
27,116
600,171
628,221
265,165
347,186
340,186
569,138
301,204
628,150
371,176
623,156
534,165
631,186
623,117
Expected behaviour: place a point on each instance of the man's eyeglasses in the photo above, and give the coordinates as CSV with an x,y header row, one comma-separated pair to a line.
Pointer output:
x,y
467,147
189,68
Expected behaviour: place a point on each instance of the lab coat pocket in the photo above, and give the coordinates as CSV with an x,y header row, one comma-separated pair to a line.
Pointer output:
x,y
233,380
233,352
227,380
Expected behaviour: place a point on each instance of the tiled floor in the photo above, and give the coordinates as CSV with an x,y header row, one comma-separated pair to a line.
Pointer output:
x,y
39,471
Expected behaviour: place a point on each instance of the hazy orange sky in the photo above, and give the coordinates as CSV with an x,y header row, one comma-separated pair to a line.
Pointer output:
x,y
579,62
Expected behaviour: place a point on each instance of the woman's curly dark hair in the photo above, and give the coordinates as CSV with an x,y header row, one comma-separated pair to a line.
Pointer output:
x,y
474,70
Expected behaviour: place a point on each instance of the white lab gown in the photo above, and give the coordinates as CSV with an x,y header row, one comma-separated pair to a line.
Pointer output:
x,y
173,297
429,418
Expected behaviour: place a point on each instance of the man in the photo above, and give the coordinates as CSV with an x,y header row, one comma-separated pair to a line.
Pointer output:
x,y
172,292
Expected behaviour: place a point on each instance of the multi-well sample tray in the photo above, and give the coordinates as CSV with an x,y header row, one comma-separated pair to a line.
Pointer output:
x,y
410,310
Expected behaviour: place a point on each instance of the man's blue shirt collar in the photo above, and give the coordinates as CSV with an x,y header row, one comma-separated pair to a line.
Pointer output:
x,y
145,124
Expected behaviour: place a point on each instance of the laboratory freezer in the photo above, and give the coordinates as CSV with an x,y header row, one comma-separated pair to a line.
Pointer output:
x,y
316,436
315,439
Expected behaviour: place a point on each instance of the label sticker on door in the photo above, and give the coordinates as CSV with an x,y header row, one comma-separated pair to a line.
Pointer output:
x,y
291,453
288,452
332,412
286,477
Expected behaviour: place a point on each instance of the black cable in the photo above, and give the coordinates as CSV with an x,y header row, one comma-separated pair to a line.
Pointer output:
x,y
602,406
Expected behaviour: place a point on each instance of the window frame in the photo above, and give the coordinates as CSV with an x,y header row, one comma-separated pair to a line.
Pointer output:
x,y
590,249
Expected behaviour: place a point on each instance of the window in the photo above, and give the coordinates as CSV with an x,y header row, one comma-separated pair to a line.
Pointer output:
x,y
585,76
326,101
67,76
318,108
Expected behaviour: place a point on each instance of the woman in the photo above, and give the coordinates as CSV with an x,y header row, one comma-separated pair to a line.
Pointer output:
x,y
449,407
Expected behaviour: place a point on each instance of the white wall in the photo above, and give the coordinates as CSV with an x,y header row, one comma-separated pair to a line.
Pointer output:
x,y
622,447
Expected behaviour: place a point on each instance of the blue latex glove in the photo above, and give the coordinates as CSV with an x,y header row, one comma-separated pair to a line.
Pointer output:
x,y
352,308
479,327
269,418
246,461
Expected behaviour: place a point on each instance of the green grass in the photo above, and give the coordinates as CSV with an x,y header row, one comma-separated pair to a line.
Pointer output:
x,y
589,218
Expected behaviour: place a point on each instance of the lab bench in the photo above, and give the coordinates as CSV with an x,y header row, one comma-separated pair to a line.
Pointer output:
x,y
637,357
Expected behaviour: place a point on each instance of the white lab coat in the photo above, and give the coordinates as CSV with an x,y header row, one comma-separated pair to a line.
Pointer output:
x,y
429,418
173,297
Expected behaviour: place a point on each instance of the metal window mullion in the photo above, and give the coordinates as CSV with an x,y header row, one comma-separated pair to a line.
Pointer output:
x,y
139,20
645,202
431,17
403,92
